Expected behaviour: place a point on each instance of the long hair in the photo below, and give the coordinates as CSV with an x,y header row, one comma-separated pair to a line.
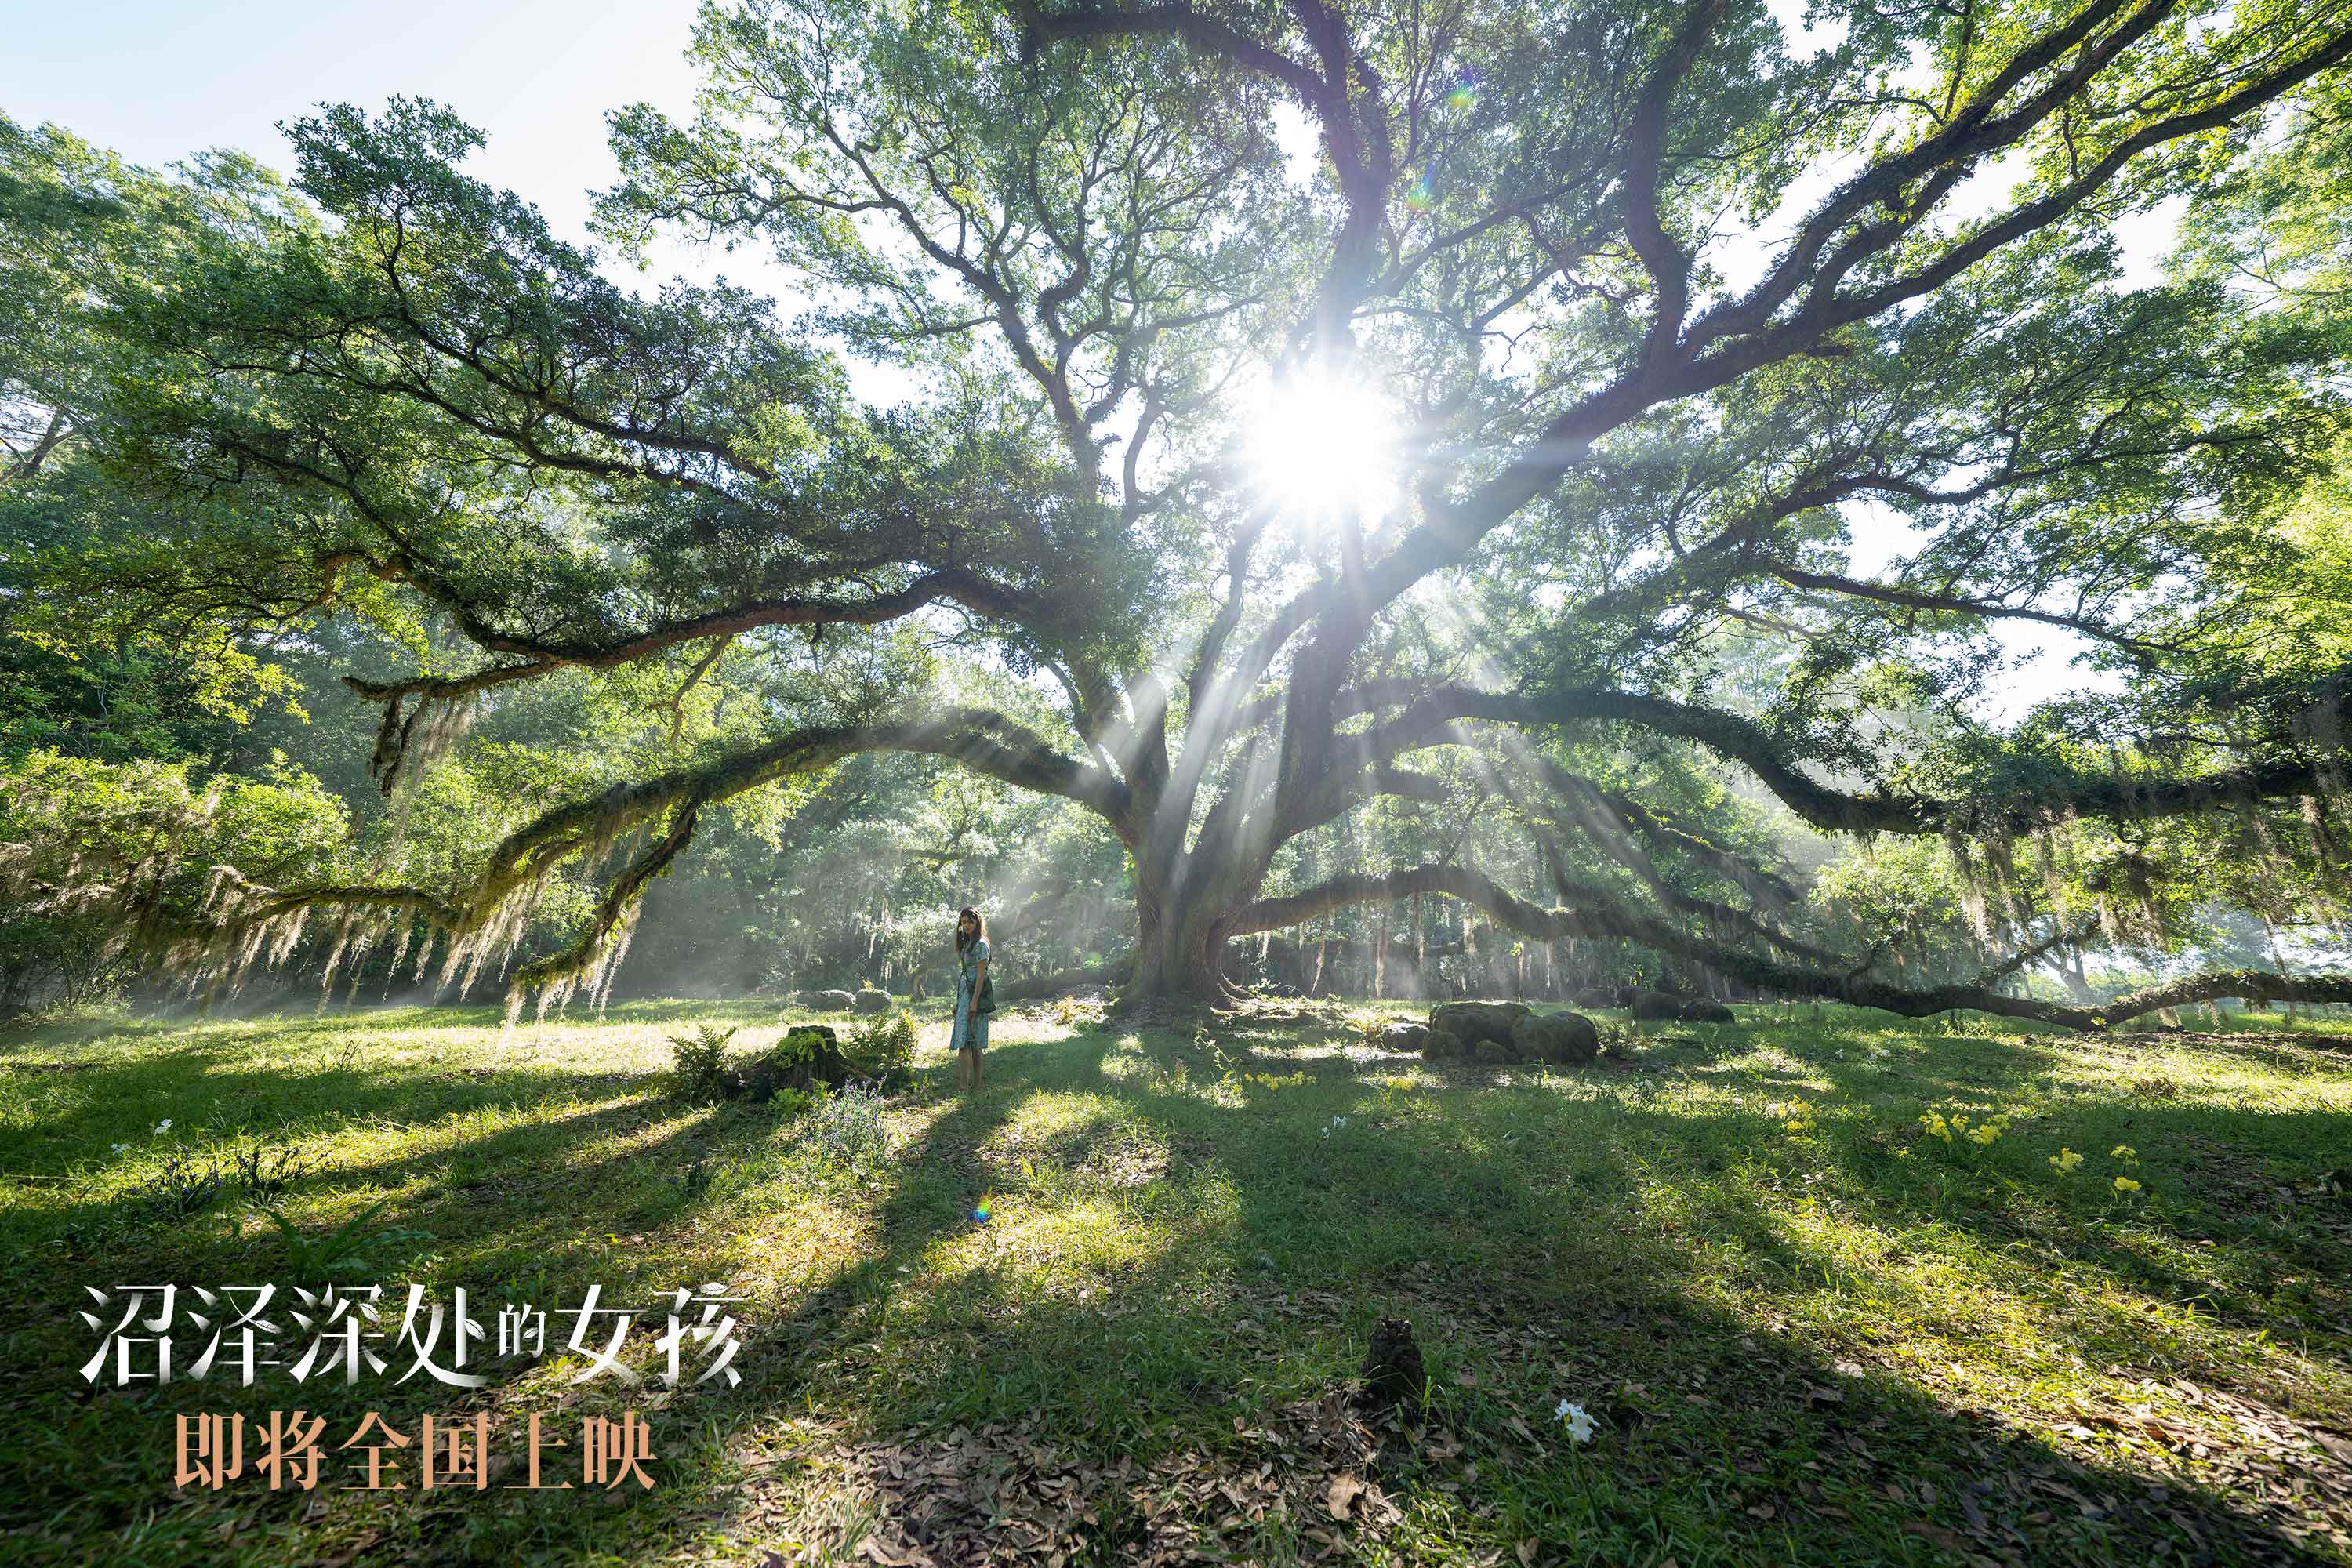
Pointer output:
x,y
979,929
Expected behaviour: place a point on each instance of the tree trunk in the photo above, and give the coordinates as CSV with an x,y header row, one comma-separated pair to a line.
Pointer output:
x,y
1185,963
1420,952
2078,984
2278,961
1180,949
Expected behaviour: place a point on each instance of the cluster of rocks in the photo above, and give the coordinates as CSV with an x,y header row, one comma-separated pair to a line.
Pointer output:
x,y
1498,1033
1656,1006
866,1000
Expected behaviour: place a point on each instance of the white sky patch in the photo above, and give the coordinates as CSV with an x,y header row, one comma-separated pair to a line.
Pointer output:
x,y
1741,254
2037,660
2037,667
157,83
1301,141
1806,38
2145,238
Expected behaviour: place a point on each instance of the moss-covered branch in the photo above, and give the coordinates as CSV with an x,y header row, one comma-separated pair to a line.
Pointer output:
x,y
487,914
1594,914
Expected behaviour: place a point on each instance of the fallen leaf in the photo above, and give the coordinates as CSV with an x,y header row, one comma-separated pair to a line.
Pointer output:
x,y
363,1543
1948,1539
1342,1494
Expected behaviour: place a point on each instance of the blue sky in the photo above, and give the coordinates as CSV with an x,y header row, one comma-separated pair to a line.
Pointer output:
x,y
157,81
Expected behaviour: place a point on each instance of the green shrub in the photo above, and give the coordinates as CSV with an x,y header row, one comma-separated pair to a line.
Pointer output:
x,y
1619,1039
181,1189
699,1072
97,852
883,1049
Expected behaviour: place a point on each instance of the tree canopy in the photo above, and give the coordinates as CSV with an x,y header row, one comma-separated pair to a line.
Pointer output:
x,y
1440,431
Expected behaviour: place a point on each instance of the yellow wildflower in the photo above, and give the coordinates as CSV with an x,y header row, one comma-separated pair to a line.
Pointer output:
x,y
2064,1161
2126,1152
2125,1185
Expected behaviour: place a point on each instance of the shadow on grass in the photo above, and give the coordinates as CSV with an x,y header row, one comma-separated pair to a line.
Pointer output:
x,y
1729,1436
1548,1240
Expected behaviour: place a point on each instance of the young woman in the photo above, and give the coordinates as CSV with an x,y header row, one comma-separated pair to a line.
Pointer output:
x,y
974,1000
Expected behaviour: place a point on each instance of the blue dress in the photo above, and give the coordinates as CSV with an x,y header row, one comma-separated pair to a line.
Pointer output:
x,y
970,1028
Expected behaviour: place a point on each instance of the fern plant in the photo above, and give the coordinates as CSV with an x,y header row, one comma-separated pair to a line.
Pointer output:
x,y
698,1070
883,1049
353,1249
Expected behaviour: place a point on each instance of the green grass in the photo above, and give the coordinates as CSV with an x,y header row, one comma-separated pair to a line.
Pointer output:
x,y
1809,1331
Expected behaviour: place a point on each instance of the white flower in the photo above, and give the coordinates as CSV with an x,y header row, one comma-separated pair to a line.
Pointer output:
x,y
163,1126
1580,1427
1325,1132
119,1148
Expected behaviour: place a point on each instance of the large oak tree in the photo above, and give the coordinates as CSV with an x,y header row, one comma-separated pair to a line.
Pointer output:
x,y
1298,391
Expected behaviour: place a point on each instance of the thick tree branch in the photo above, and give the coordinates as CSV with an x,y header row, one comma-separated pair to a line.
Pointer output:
x,y
543,654
1669,265
1597,917
1736,738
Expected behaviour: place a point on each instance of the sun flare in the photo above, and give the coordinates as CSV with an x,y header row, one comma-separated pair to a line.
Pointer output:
x,y
1322,446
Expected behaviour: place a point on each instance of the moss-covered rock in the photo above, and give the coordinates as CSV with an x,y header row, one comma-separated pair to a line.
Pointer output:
x,y
1656,1006
1565,1039
1475,1021
824,1001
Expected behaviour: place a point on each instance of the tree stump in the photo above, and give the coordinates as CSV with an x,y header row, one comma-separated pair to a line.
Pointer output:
x,y
1394,1378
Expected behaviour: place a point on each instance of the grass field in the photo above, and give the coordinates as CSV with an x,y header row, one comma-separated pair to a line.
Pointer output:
x,y
1807,1329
